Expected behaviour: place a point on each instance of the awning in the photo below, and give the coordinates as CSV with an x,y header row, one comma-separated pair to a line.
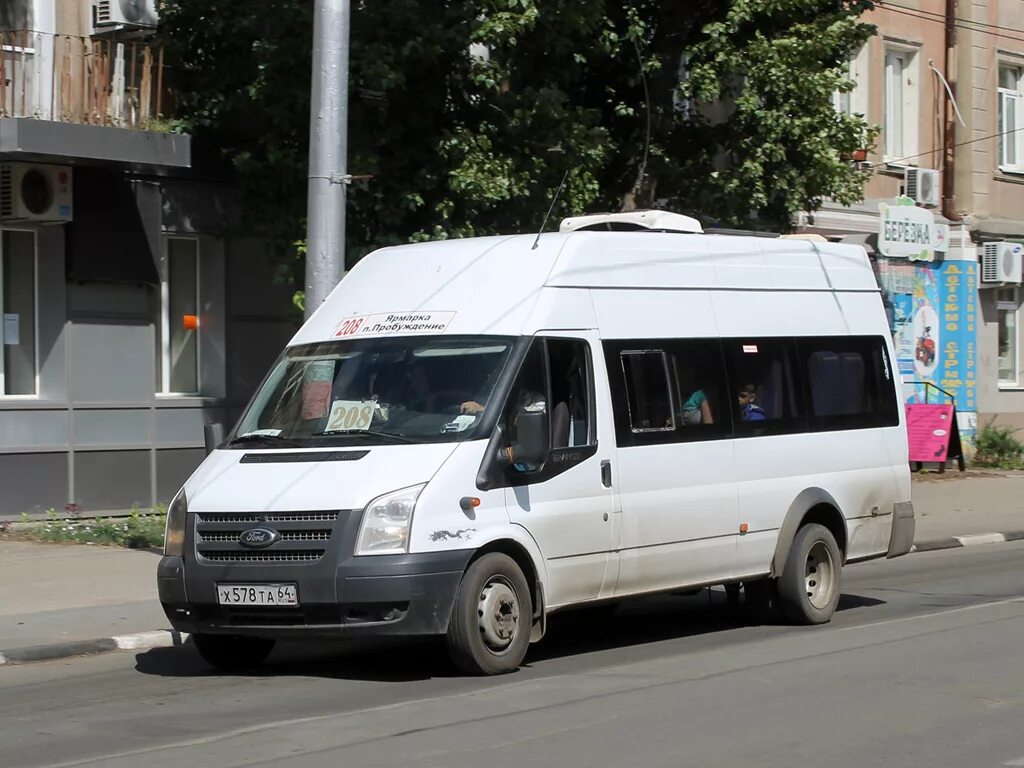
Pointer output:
x,y
28,139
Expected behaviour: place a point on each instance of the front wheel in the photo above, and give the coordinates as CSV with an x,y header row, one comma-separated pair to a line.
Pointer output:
x,y
489,631
810,584
233,653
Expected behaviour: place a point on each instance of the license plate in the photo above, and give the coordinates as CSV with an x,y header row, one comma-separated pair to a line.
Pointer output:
x,y
257,594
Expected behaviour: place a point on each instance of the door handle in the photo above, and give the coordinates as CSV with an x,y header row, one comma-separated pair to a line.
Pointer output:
x,y
606,473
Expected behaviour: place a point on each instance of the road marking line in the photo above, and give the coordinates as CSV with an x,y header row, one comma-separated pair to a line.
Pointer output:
x,y
981,538
961,609
1018,762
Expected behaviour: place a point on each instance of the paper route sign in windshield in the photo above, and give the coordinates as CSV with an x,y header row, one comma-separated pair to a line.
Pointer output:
x,y
393,324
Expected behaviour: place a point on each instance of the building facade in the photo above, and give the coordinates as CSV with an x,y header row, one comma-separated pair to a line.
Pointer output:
x,y
133,312
973,153
989,186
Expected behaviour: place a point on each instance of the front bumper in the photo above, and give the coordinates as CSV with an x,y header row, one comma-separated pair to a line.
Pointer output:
x,y
903,527
390,595
339,595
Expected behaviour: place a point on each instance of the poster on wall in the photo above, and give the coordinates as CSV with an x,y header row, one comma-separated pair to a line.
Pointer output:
x,y
903,332
934,327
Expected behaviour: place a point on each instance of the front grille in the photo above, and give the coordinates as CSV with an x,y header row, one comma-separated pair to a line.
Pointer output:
x,y
304,536
266,517
288,536
247,556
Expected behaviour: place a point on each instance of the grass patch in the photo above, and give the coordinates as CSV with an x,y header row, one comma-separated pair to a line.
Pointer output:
x,y
137,531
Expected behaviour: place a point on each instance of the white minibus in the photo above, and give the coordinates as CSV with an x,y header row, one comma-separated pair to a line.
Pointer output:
x,y
470,435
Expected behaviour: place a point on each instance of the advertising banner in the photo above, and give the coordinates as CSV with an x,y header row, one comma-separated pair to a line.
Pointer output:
x,y
934,310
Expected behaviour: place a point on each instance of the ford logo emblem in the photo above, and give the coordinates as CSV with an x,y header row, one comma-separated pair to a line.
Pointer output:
x,y
258,538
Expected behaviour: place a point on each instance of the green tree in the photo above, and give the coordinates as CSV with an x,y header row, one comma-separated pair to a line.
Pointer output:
x,y
466,114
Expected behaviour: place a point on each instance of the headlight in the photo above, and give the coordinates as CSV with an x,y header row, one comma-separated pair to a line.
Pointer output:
x,y
387,521
174,533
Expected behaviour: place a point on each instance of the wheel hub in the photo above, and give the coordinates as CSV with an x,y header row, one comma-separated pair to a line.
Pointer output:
x,y
498,614
819,575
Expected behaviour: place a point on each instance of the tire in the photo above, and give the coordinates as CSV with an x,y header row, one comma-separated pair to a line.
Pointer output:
x,y
810,584
489,631
233,653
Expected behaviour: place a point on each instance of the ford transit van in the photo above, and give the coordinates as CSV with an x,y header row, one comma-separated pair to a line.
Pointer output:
x,y
470,435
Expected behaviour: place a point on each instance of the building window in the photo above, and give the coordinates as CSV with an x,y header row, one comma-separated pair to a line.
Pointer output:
x,y
901,98
1007,304
177,366
1011,150
18,309
854,101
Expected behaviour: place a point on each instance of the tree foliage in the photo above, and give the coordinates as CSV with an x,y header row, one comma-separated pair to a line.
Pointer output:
x,y
468,113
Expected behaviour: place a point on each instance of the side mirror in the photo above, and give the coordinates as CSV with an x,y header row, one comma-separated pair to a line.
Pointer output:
x,y
532,439
213,435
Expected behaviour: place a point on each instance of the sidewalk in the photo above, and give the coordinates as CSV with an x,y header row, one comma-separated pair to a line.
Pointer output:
x,y
59,599
963,505
65,600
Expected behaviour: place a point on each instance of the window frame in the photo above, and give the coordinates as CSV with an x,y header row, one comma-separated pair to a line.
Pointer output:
x,y
668,387
791,423
1005,141
855,101
909,98
1014,307
164,348
588,372
35,318
876,417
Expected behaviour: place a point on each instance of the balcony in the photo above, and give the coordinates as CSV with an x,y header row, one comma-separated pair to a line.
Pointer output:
x,y
68,79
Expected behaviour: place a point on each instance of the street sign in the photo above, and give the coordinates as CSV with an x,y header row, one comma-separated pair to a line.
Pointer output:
x,y
910,232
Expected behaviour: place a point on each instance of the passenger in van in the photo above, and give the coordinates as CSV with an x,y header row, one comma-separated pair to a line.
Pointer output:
x,y
697,409
750,410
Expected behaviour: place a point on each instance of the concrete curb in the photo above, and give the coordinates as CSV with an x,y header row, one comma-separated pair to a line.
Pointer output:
x,y
167,638
971,540
140,641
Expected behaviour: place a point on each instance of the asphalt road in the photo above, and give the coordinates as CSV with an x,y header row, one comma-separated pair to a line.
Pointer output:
x,y
922,666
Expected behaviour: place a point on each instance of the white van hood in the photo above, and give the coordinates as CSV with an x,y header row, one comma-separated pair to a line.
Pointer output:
x,y
224,484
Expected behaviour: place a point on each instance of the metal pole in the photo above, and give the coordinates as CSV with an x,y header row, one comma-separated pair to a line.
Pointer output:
x,y
328,145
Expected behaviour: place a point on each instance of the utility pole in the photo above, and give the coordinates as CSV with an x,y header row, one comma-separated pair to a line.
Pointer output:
x,y
949,128
328,146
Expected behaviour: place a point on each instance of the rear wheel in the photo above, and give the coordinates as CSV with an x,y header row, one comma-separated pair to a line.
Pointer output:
x,y
233,653
809,587
489,631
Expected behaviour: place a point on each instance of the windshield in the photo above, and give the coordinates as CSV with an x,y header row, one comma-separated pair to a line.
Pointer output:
x,y
375,391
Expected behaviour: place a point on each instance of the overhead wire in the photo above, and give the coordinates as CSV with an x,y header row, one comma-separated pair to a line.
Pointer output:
x,y
963,24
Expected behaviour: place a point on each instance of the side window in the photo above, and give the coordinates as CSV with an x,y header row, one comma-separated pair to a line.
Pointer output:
x,y
556,376
765,388
849,383
668,391
703,406
648,390
571,394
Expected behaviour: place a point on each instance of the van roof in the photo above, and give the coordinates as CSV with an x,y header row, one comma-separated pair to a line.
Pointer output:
x,y
492,284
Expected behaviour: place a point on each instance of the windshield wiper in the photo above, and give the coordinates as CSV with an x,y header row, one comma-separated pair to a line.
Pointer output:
x,y
272,439
368,433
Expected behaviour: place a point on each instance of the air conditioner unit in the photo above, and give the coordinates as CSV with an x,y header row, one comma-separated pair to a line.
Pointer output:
x,y
31,192
1002,263
658,221
922,185
111,15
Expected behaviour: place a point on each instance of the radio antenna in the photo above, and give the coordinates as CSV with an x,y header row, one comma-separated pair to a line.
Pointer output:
x,y
550,208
